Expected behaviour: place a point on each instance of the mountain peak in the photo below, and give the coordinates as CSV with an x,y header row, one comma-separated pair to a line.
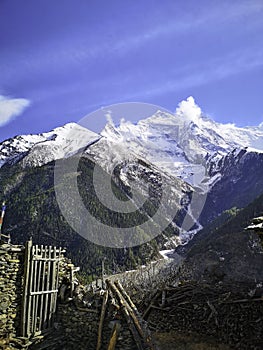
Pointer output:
x,y
40,149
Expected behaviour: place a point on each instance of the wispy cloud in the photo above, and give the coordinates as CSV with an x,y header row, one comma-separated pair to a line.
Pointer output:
x,y
208,19
10,108
185,77
215,70
83,50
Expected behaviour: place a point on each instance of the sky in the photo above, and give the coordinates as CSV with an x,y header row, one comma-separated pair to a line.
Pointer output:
x,y
60,60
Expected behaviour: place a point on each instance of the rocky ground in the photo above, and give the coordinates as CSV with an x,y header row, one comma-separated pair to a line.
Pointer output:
x,y
187,341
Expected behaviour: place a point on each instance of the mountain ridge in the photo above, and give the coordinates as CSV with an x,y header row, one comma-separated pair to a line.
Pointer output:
x,y
60,142
174,142
177,146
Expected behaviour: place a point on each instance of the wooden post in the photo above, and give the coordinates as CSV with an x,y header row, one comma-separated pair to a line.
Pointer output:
x,y
25,287
102,316
163,298
133,312
136,336
127,306
103,273
114,336
1,222
42,300
53,283
71,281
37,314
34,287
132,305
57,278
37,325
46,296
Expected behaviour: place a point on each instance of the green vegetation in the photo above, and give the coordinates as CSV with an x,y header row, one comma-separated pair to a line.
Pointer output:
x,y
228,223
33,212
222,219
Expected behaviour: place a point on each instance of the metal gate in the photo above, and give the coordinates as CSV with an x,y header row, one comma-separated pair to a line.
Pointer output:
x,y
40,288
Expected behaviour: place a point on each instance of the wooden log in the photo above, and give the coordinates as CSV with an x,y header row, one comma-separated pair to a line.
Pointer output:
x,y
160,308
243,301
146,338
176,298
147,311
114,336
127,297
86,309
129,309
102,316
136,336
146,335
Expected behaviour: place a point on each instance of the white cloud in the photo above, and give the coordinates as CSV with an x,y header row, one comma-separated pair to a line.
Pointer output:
x,y
189,109
11,108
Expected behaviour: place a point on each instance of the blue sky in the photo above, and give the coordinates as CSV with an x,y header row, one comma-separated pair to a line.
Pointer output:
x,y
60,60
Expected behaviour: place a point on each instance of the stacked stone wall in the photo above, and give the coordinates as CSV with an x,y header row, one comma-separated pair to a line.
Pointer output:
x,y
11,275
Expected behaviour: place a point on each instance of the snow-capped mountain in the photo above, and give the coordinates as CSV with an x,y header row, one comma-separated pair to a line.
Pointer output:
x,y
181,144
169,159
184,142
191,153
36,150
141,179
237,182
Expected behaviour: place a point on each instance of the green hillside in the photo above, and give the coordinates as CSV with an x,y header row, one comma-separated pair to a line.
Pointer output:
x,y
32,211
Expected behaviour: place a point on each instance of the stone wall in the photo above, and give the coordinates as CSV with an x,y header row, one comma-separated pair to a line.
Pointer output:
x,y
78,310
77,322
11,291
11,274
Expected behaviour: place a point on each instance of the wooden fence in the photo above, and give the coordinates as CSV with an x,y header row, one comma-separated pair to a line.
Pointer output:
x,y
40,288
